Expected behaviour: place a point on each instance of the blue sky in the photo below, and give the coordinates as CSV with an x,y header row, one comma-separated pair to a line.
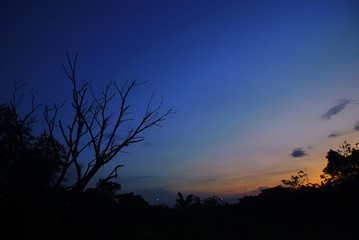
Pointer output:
x,y
262,89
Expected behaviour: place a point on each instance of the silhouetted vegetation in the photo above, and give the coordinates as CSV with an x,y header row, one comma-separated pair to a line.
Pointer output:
x,y
34,205
343,164
296,181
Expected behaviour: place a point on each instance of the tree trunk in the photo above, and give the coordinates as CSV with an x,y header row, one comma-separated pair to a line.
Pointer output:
x,y
80,186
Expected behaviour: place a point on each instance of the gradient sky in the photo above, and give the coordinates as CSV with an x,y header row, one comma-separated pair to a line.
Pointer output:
x,y
262,89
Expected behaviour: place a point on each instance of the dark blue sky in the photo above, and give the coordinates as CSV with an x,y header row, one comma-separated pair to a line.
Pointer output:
x,y
251,81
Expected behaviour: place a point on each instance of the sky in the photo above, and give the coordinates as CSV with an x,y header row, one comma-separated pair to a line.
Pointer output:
x,y
261,89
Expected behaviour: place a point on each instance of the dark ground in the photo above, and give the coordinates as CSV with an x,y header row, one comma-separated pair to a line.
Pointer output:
x,y
326,212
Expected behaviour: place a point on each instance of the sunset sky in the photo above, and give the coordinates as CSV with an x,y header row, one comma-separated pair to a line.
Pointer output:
x,y
261,89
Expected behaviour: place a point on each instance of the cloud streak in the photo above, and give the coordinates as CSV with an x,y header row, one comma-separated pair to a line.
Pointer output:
x,y
342,103
298,152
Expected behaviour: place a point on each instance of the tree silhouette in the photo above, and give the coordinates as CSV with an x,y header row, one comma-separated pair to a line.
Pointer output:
x,y
95,127
15,133
213,202
34,167
182,203
343,164
27,163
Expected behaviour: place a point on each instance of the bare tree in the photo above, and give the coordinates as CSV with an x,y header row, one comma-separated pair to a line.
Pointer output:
x,y
94,126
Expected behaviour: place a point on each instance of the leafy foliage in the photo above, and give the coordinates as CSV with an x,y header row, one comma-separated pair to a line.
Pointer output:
x,y
343,164
27,162
182,203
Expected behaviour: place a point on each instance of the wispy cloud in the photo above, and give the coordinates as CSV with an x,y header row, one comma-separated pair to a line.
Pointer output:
x,y
356,126
335,134
342,103
298,152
